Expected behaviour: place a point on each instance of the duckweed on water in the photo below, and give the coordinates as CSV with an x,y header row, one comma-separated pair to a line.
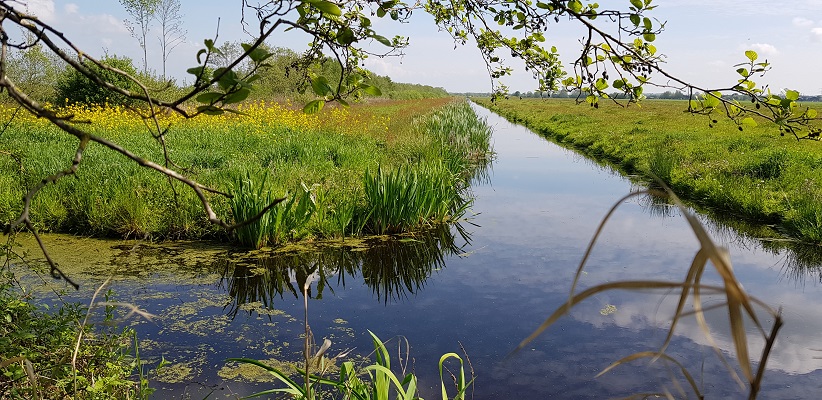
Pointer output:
x,y
251,373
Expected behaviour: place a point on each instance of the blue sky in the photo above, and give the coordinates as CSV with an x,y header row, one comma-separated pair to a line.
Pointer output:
x,y
703,40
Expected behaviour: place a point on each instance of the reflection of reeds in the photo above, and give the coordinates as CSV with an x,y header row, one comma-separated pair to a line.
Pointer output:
x,y
392,268
738,304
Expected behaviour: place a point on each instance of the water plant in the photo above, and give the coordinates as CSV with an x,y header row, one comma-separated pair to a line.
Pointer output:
x,y
375,381
464,140
404,198
272,147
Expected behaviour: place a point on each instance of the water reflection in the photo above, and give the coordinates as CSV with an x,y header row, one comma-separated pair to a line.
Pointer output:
x,y
799,260
392,268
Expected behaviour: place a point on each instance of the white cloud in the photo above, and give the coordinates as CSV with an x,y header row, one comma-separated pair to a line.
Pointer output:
x,y
802,22
71,8
765,49
816,34
381,66
43,9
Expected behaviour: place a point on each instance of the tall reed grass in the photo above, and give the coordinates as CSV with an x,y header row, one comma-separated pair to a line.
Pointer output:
x,y
407,198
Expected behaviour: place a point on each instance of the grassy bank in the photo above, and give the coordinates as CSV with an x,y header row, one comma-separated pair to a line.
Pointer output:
x,y
327,166
755,175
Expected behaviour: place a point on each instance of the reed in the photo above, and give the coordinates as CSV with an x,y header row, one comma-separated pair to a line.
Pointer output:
x,y
405,198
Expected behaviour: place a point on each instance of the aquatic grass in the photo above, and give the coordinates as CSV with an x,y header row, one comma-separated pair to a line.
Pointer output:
x,y
404,198
289,218
740,306
285,220
464,139
250,197
376,381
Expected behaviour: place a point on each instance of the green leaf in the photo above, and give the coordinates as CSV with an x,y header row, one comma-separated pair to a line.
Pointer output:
x,y
382,40
200,53
792,95
326,7
647,22
751,55
237,96
748,122
743,71
638,4
320,86
259,55
313,107
196,71
372,90
650,37
380,12
712,101
210,110
345,37
811,113
618,84
576,5
209,97
228,78
634,19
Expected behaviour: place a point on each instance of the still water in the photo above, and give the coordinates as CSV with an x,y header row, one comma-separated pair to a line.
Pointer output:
x,y
478,292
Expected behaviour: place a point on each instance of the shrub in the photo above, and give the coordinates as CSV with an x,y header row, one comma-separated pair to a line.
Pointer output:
x,y
74,87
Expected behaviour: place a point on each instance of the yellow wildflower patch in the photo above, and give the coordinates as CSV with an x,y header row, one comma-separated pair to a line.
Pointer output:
x,y
257,118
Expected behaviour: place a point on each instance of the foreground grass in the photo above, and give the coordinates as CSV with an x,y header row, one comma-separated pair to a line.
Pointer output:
x,y
319,163
37,348
755,174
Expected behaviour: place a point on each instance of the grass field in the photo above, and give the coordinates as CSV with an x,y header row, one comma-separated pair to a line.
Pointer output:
x,y
755,175
320,163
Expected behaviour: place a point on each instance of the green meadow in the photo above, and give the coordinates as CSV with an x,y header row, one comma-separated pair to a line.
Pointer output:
x,y
340,173
754,174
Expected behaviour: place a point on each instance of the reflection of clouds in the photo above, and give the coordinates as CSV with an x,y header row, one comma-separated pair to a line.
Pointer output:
x,y
535,230
793,352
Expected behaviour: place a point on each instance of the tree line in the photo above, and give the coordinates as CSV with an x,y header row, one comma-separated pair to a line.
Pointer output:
x,y
49,79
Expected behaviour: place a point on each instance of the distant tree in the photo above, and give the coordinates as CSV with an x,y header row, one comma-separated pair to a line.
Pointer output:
x,y
142,12
223,55
35,70
172,33
74,87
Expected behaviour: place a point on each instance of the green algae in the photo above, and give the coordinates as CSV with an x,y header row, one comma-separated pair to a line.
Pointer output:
x,y
253,373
